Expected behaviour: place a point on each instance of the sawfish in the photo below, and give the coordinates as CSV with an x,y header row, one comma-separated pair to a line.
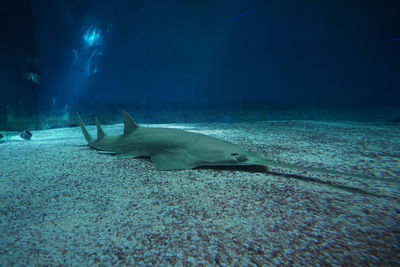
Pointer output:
x,y
176,149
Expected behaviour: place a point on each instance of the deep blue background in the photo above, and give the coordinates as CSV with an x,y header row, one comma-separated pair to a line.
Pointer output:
x,y
218,53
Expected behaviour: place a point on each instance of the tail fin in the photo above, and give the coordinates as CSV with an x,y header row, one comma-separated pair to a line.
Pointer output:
x,y
129,124
85,132
100,132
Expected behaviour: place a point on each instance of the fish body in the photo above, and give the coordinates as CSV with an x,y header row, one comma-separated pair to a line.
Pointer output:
x,y
170,149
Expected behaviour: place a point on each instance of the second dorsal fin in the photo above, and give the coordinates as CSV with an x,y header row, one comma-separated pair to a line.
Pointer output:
x,y
129,124
100,132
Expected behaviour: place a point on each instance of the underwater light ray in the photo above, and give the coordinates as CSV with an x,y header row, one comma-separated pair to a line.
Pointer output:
x,y
92,36
247,12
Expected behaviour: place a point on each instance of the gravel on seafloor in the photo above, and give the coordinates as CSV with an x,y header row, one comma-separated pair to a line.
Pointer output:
x,y
63,204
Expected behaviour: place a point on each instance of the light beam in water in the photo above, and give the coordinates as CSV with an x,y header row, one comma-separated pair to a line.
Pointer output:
x,y
92,36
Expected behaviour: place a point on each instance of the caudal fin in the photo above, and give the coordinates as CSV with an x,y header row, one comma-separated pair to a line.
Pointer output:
x,y
85,132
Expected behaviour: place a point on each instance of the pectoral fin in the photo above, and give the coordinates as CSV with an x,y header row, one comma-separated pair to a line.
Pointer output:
x,y
173,160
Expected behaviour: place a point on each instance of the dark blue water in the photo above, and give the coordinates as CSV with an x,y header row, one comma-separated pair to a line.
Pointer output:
x,y
59,56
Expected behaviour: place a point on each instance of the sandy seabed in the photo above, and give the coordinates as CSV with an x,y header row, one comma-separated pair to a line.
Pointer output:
x,y
63,204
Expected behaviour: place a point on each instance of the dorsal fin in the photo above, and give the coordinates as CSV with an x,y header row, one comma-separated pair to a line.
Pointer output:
x,y
85,132
129,124
100,132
